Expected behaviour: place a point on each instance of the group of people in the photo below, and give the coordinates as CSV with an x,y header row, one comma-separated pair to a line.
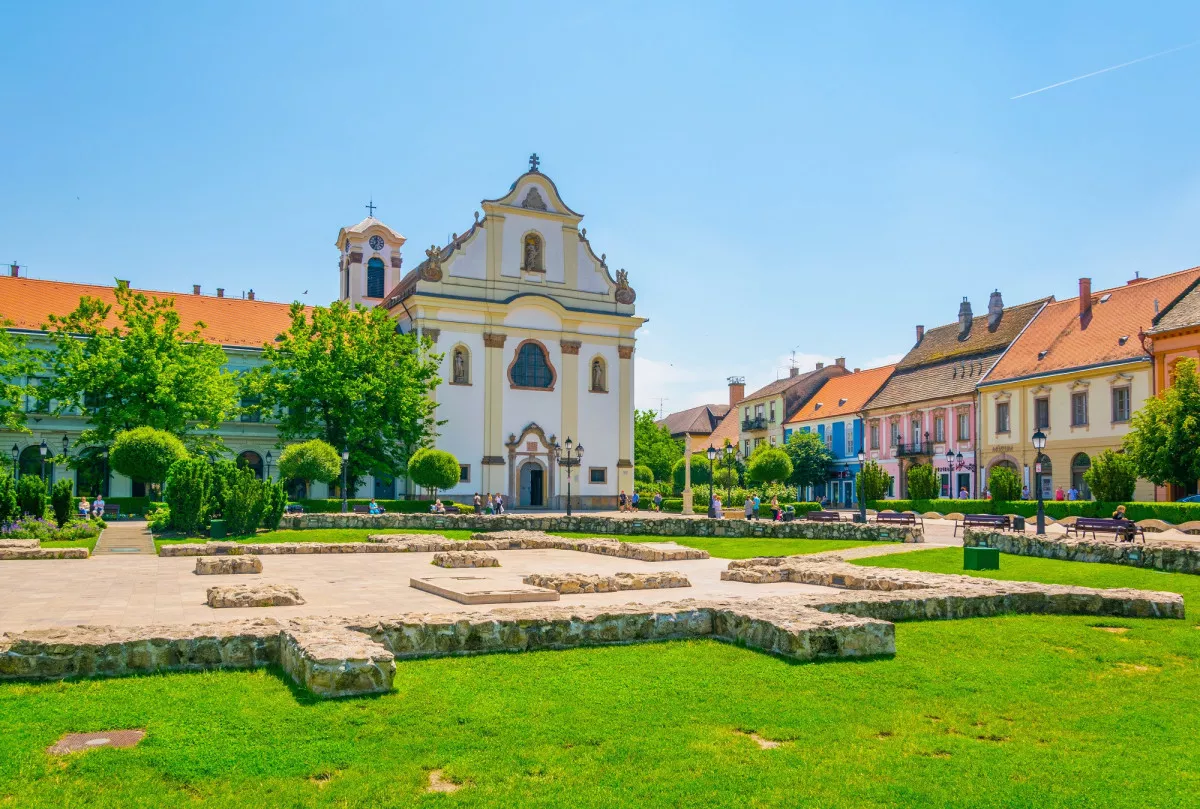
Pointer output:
x,y
95,508
634,501
489,503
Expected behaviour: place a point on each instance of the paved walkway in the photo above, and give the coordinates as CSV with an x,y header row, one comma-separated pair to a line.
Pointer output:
x,y
125,538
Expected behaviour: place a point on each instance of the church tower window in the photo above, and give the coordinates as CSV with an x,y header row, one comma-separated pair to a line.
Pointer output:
x,y
375,278
531,367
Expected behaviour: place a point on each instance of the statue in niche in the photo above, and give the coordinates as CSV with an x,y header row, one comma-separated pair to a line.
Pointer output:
x,y
533,254
460,367
597,375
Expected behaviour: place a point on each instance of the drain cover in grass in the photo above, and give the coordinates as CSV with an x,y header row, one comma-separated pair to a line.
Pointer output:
x,y
76,742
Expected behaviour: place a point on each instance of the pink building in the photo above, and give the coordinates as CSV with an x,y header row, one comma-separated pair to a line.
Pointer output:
x,y
925,413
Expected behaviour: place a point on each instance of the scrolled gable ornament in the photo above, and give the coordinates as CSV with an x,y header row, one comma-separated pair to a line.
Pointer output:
x,y
432,269
625,293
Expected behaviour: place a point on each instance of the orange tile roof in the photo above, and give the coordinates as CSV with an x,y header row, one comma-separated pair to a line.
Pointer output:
x,y
28,302
1057,339
726,429
843,395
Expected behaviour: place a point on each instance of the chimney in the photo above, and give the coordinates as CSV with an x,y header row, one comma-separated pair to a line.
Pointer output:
x,y
1137,278
964,319
995,309
856,370
794,371
15,269
220,292
737,389
195,289
250,295
1085,297
820,365
840,362
920,333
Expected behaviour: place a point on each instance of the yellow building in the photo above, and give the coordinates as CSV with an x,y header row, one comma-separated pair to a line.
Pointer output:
x,y
1078,372
761,415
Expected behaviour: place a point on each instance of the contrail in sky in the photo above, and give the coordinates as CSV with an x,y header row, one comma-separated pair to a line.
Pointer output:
x,y
1105,70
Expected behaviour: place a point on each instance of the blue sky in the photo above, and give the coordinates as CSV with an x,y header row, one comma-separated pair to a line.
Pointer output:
x,y
813,177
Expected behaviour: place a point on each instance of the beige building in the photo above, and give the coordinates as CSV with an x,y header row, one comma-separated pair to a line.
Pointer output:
x,y
762,414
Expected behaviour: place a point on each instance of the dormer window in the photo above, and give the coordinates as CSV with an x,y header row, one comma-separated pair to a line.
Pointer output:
x,y
842,402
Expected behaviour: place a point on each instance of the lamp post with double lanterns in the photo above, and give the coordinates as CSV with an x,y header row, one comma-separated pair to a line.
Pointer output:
x,y
345,467
1039,444
712,506
568,455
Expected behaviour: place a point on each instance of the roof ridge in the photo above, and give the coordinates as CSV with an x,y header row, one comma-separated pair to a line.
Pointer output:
x,y
189,295
1141,282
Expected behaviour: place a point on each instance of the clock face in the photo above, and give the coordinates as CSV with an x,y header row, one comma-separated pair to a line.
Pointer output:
x,y
376,242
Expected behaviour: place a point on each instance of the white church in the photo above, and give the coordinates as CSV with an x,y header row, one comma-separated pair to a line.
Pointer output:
x,y
537,339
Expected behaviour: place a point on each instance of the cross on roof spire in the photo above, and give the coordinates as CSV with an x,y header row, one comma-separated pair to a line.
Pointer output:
x,y
370,206
534,160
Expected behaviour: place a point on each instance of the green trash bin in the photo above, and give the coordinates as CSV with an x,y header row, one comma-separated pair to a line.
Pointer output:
x,y
216,529
981,559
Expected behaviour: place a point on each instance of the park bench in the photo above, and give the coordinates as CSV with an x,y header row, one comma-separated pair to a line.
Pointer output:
x,y
983,521
823,516
898,518
111,511
293,508
361,509
1123,529
453,508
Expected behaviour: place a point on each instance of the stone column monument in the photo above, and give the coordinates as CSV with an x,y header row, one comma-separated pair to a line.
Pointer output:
x,y
687,474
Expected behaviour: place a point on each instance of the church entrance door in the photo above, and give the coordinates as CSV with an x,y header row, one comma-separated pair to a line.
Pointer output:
x,y
533,485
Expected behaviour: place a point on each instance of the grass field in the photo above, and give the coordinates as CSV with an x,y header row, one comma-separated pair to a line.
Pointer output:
x,y
1001,712
725,547
89,543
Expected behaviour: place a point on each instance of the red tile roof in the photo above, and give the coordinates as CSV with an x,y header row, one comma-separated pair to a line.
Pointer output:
x,y
28,302
843,395
1059,340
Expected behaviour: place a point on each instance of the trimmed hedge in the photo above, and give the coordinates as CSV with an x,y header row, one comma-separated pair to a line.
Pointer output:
x,y
1175,513
675,505
334,506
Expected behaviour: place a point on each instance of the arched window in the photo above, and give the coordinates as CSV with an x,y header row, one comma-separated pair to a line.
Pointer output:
x,y
251,460
1005,465
599,376
460,366
375,278
532,253
30,462
531,367
1080,464
91,475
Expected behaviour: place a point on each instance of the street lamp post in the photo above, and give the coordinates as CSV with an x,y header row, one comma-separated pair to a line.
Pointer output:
x,y
729,468
862,501
345,467
43,449
1039,444
269,464
16,453
574,453
712,456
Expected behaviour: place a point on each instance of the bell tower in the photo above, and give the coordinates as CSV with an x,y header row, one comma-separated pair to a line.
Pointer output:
x,y
369,260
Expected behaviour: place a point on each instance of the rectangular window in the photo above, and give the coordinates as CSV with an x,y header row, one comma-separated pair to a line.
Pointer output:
x,y
939,429
758,411
1079,409
1002,417
757,441
464,473
874,435
895,436
250,415
747,413
1120,404
746,452
772,440
1041,413
34,402
945,484
772,411
964,426
598,474
850,448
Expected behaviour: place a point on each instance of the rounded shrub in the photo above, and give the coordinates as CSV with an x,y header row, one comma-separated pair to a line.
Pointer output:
x,y
700,473
1004,484
310,460
434,469
146,454
643,474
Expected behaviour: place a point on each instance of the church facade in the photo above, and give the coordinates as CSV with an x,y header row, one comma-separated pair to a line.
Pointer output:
x,y
536,337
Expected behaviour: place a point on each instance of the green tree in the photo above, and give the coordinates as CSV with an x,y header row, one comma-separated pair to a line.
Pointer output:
x,y
310,460
700,473
1164,438
146,454
275,501
810,459
872,482
923,482
8,498
144,371
1112,477
62,500
245,502
768,465
653,445
643,474
31,496
16,364
347,375
188,493
434,469
1004,484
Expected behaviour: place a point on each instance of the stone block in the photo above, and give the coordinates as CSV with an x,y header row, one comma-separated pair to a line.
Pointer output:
x,y
253,595
571,583
222,565
464,559
333,661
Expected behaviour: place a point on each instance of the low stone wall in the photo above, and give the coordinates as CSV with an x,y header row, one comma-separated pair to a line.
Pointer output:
x,y
227,565
31,549
572,583
253,595
467,559
335,661
602,526
1158,554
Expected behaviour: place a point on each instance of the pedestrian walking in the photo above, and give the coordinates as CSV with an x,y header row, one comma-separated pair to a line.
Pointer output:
x,y
757,503
657,501
634,500
749,507
622,501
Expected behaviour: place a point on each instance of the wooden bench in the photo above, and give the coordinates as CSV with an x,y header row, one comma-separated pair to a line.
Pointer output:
x,y
898,518
293,508
983,521
361,509
112,511
1127,530
823,516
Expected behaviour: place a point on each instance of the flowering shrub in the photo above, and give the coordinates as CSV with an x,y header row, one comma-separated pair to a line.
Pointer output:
x,y
46,530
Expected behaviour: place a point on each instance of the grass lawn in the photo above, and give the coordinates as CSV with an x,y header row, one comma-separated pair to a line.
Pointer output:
x,y
89,543
746,548
1001,712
